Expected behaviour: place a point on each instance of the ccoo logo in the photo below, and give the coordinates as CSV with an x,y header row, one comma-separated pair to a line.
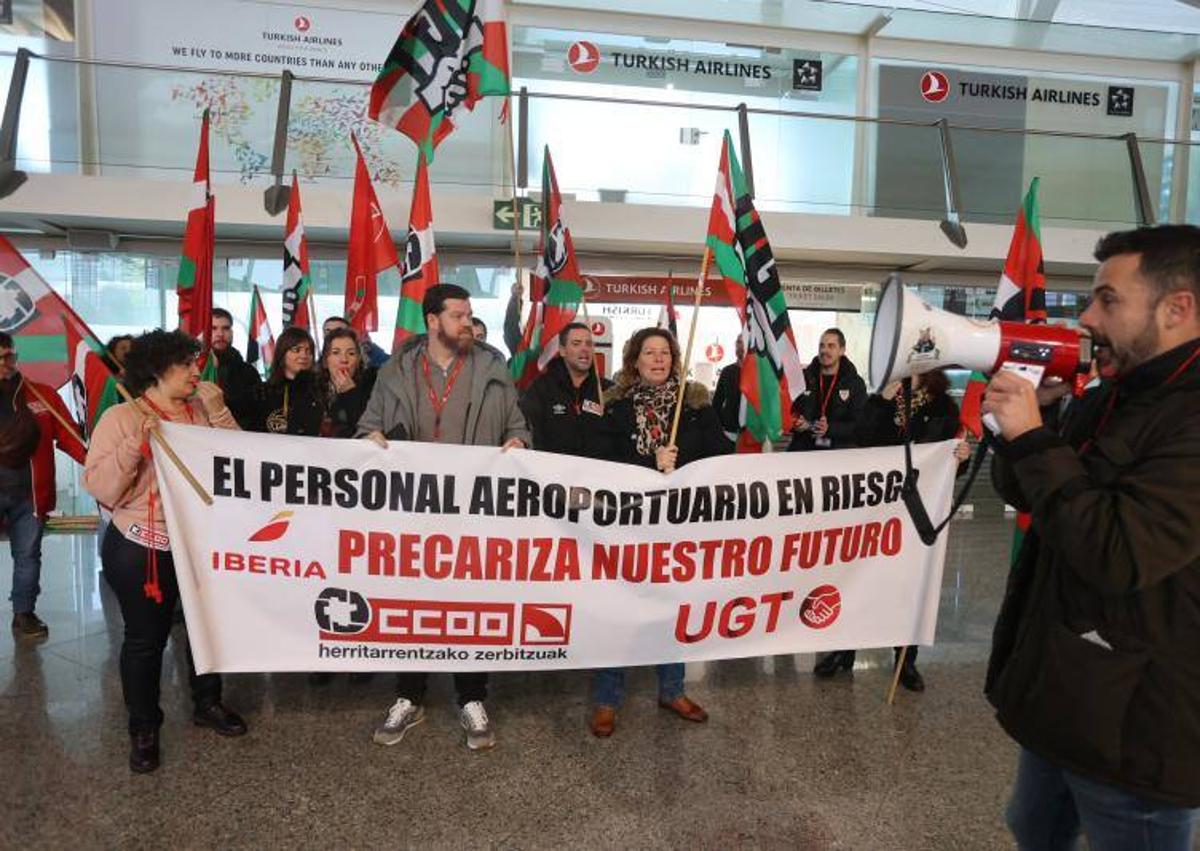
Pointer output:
x,y
935,86
583,57
821,607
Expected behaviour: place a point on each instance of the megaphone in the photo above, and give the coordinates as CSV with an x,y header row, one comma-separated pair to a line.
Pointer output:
x,y
911,337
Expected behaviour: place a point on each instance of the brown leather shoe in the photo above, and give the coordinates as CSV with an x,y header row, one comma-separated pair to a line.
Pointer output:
x,y
29,625
686,708
604,719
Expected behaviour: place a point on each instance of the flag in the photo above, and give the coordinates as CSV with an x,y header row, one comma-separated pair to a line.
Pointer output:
x,y
34,314
668,317
297,281
1020,297
449,54
556,288
93,384
420,270
262,341
195,284
209,367
772,371
371,252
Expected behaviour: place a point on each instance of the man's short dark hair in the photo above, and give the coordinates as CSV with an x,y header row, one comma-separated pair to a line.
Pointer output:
x,y
220,312
566,332
329,319
437,296
479,323
1170,258
6,341
153,353
837,332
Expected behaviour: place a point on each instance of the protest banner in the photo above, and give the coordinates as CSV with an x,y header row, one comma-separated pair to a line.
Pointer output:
x,y
336,555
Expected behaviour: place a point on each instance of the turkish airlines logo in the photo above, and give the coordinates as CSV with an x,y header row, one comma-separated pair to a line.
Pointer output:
x,y
276,528
303,23
934,86
583,57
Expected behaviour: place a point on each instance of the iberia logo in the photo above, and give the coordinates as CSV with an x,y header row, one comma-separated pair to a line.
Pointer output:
x,y
821,607
935,86
583,57
303,23
274,530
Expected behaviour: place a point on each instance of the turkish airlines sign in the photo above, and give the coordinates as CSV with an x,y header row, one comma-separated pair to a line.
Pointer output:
x,y
461,558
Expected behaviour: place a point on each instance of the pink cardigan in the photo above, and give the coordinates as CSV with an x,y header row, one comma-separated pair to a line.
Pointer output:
x,y
121,478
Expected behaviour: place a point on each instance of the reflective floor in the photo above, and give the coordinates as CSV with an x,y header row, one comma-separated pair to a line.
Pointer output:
x,y
786,761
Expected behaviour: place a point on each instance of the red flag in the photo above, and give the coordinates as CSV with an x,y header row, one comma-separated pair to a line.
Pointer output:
x,y
420,261
195,283
34,314
371,251
262,341
93,384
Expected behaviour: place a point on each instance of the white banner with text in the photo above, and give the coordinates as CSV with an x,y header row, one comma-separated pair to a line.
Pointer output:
x,y
337,555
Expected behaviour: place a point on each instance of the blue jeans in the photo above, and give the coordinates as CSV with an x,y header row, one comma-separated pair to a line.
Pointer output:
x,y
609,684
1050,806
25,539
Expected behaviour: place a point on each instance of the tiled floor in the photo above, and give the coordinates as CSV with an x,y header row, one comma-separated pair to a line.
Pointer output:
x,y
786,761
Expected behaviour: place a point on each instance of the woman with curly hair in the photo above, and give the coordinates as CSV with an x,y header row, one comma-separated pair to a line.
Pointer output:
x,y
289,402
636,429
161,372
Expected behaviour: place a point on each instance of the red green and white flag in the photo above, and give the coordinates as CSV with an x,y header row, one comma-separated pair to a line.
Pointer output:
x,y
209,366
195,284
34,314
668,316
262,341
371,252
1020,297
772,371
93,384
420,270
556,288
297,280
449,54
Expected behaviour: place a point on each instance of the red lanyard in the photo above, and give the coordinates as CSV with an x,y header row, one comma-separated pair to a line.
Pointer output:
x,y
439,405
1112,402
827,395
163,415
151,587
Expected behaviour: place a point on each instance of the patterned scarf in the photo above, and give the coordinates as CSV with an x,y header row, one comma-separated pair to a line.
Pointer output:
x,y
920,399
653,407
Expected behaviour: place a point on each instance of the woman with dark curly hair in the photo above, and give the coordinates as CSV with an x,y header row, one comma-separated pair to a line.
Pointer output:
x,y
636,429
161,372
345,383
289,402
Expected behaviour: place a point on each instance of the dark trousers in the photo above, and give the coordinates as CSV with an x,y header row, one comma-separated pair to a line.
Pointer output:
x,y
147,627
470,687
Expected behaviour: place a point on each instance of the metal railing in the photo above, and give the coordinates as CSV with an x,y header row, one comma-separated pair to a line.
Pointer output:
x,y
955,207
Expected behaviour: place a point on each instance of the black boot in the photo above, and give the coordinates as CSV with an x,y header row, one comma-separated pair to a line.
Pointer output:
x,y
838,660
143,751
911,678
220,719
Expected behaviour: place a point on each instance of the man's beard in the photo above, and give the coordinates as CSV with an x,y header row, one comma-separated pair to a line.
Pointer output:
x,y
460,344
1127,357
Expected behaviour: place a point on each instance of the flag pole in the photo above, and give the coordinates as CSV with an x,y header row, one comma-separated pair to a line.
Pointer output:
x,y
595,366
512,174
687,357
900,660
73,429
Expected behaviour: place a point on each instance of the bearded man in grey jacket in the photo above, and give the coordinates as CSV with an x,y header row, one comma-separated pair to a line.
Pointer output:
x,y
444,387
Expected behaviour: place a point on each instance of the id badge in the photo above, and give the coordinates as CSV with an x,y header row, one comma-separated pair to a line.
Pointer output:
x,y
823,443
590,407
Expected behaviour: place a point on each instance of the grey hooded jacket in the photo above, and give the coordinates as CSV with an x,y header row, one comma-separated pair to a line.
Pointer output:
x,y
493,415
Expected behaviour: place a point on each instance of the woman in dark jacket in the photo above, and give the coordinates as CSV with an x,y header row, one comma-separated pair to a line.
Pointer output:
x,y
932,416
636,429
345,383
289,402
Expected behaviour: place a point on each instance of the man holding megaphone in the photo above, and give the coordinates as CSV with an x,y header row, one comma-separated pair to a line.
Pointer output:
x,y
1095,667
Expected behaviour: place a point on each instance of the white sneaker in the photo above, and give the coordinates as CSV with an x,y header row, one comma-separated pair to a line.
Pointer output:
x,y
403,715
474,720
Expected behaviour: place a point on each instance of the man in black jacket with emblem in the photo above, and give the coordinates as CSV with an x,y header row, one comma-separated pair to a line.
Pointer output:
x,y
1095,667
563,405
827,412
